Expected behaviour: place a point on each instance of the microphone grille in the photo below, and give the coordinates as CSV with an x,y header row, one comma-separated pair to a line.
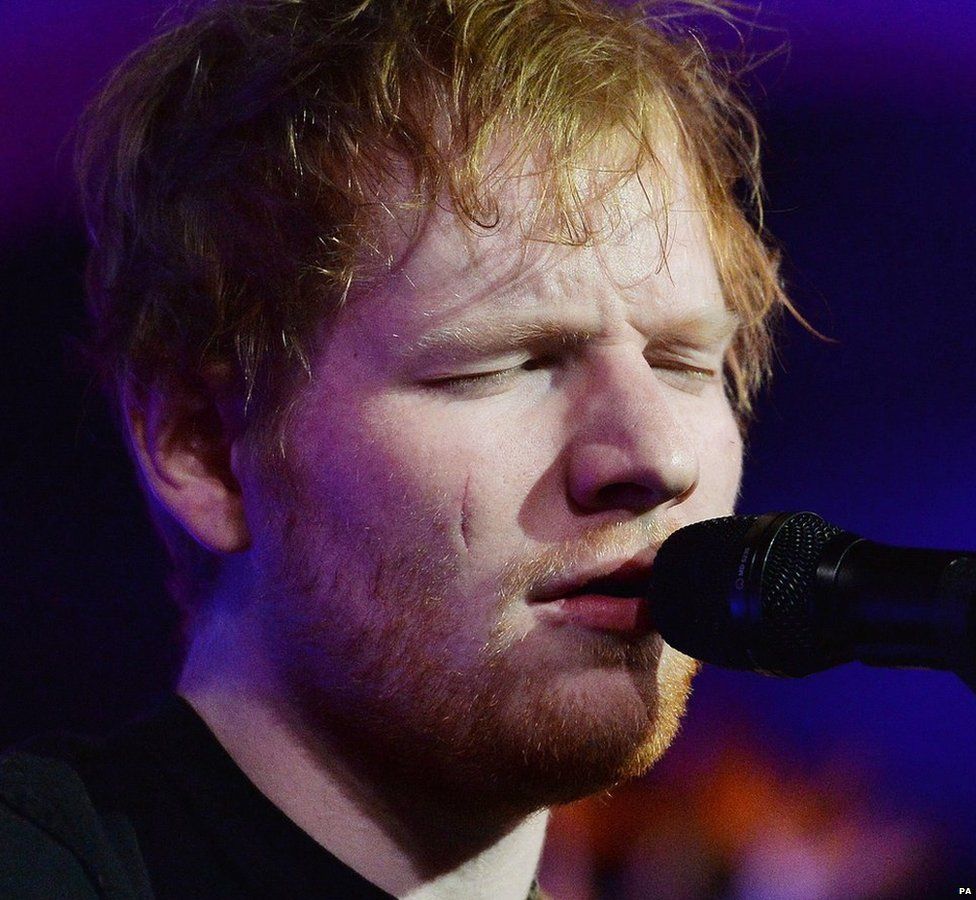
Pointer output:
x,y
790,637
693,582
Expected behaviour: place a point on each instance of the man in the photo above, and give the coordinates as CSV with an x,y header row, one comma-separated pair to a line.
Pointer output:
x,y
427,322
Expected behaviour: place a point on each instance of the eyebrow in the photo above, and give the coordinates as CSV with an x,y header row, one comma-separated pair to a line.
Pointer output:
x,y
709,328
453,339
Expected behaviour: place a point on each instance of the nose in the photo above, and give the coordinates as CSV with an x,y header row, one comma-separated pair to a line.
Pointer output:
x,y
630,449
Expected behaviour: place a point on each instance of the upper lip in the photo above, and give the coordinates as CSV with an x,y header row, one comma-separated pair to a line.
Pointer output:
x,y
629,578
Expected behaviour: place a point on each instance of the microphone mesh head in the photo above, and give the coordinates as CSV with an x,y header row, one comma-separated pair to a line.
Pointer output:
x,y
693,584
790,638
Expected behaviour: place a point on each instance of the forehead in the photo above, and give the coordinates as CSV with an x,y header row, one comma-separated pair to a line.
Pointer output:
x,y
650,259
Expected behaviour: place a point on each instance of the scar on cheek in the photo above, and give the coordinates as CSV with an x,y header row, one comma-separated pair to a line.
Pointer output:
x,y
465,522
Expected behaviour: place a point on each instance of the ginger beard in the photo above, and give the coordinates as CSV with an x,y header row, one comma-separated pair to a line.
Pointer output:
x,y
376,667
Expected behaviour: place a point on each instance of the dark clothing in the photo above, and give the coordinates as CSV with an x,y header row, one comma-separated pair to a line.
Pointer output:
x,y
159,809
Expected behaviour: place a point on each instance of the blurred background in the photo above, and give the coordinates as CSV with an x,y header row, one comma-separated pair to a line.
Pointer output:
x,y
856,783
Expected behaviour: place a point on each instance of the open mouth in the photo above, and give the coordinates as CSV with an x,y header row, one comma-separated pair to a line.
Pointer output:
x,y
631,585
611,603
613,586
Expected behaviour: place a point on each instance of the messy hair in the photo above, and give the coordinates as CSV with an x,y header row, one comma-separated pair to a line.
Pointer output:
x,y
235,169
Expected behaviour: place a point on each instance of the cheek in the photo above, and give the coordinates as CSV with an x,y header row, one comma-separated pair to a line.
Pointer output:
x,y
401,469
393,471
472,470
720,461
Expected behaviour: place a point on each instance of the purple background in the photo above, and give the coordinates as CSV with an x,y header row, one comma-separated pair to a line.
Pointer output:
x,y
870,123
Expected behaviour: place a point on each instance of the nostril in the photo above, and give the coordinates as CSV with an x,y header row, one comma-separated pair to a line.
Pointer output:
x,y
626,496
639,471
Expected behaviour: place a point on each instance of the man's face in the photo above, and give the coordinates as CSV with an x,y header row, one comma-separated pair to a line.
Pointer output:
x,y
498,424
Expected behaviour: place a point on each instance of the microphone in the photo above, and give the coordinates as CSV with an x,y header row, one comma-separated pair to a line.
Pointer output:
x,y
789,594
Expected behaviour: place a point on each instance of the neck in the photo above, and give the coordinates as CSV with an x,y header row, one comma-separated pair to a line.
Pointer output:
x,y
410,846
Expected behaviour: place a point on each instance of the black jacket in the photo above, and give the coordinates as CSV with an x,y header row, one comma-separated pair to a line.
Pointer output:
x,y
156,810
53,842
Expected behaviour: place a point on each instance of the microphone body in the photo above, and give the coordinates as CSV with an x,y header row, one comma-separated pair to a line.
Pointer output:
x,y
789,594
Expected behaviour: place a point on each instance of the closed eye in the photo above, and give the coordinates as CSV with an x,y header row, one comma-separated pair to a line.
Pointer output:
x,y
459,383
686,377
682,375
477,382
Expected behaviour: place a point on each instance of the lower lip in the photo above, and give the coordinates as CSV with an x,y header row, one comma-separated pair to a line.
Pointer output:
x,y
625,615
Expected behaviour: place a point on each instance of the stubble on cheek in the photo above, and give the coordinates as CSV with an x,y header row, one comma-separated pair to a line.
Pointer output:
x,y
361,641
384,637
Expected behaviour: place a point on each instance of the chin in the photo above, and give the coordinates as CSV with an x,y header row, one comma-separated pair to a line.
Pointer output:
x,y
589,731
